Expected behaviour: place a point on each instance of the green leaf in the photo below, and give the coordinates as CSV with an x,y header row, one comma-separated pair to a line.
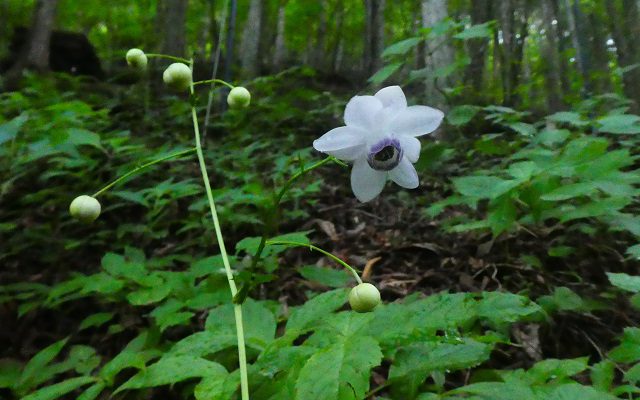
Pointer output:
x,y
633,374
620,124
502,308
59,389
9,372
602,375
84,137
575,391
570,191
146,296
202,344
330,277
170,370
92,392
340,371
523,128
259,322
554,369
550,137
219,387
96,320
509,390
303,318
385,73
479,31
483,186
126,359
39,362
629,349
9,130
571,118
625,282
401,47
420,359
462,115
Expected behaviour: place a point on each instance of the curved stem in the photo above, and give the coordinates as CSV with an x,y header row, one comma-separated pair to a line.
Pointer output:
x,y
140,168
179,59
237,308
230,86
318,249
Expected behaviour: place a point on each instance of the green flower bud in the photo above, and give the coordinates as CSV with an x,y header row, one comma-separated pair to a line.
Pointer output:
x,y
364,297
85,208
177,76
239,97
137,59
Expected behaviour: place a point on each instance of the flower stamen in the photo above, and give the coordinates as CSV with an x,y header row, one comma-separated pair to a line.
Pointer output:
x,y
385,155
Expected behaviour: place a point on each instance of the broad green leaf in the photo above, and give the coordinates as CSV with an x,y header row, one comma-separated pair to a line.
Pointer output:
x,y
385,73
620,124
58,390
629,348
510,390
203,344
602,375
259,322
401,47
553,369
303,318
84,137
92,392
625,282
567,117
171,370
420,359
550,137
523,128
502,215
633,374
126,359
340,371
570,191
9,372
218,387
574,391
147,296
480,31
461,115
504,308
330,277
482,186
9,130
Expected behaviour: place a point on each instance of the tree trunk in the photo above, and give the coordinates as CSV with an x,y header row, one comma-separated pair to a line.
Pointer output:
x,y
625,28
374,36
598,34
280,51
477,48
229,46
174,15
551,64
251,39
318,54
338,42
574,19
439,54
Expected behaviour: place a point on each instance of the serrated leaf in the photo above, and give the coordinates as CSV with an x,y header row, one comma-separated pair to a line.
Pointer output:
x,y
602,375
570,191
556,369
483,186
575,391
479,31
259,322
172,370
567,117
339,371
330,277
629,348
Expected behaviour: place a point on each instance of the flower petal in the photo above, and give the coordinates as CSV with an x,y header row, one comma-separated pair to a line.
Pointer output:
x,y
410,147
345,143
392,97
366,182
405,174
416,121
363,112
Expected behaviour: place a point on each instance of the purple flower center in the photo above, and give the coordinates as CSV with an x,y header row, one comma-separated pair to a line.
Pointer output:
x,y
385,155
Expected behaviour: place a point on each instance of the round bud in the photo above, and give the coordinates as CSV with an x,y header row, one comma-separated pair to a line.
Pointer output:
x,y
85,208
137,59
177,76
364,297
239,97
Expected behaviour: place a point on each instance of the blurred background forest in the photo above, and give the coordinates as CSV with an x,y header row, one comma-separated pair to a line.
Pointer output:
x,y
510,273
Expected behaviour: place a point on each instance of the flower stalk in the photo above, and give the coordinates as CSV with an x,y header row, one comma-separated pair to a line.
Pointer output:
x,y
237,308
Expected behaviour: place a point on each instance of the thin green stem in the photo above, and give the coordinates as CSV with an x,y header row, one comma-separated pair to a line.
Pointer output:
x,y
237,308
230,86
276,202
178,59
318,249
140,168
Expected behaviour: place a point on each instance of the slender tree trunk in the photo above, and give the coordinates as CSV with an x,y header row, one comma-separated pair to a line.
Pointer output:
x,y
318,51
626,29
229,46
598,34
174,27
551,62
439,54
582,60
280,51
374,35
338,42
251,39
477,48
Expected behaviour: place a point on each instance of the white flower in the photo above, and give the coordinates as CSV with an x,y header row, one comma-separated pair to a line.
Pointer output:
x,y
380,139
